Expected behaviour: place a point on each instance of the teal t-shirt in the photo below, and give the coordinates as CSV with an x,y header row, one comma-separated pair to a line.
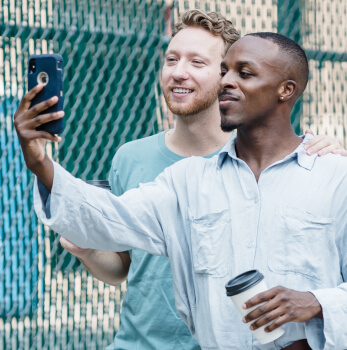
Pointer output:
x,y
149,319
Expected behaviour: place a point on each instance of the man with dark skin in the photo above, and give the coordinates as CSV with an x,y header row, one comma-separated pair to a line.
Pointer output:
x,y
261,203
250,90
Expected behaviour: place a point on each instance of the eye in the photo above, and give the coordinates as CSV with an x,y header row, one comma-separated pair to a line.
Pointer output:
x,y
198,62
222,73
170,59
244,74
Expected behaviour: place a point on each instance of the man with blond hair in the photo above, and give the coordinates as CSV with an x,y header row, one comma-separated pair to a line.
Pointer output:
x,y
190,81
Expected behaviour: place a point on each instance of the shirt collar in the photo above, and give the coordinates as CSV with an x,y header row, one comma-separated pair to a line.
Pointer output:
x,y
299,153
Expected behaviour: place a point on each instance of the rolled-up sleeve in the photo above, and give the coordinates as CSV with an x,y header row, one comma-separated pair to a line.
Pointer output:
x,y
91,217
330,333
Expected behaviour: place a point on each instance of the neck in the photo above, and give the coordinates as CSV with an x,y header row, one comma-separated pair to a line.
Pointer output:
x,y
197,135
260,147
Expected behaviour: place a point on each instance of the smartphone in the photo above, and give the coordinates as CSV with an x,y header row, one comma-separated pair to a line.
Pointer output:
x,y
48,70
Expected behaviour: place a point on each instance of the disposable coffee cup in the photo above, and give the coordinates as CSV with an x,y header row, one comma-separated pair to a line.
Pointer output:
x,y
244,287
100,183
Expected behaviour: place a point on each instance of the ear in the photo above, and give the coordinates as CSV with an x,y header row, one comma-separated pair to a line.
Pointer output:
x,y
286,90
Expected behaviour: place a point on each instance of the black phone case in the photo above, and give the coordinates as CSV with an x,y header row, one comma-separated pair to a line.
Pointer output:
x,y
52,65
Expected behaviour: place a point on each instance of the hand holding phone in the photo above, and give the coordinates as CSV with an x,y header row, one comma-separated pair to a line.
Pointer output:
x,y
48,71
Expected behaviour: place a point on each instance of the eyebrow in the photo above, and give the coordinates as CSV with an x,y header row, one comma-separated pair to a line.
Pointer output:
x,y
247,63
169,52
240,64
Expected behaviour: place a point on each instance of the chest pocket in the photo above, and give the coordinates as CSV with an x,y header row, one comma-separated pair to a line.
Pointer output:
x,y
298,240
210,235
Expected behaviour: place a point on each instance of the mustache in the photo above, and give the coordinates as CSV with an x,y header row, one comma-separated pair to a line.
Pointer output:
x,y
226,95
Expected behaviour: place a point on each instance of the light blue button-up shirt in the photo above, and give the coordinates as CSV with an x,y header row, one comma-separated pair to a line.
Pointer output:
x,y
214,220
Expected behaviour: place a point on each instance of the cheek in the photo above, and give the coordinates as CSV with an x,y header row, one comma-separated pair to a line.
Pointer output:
x,y
212,78
165,75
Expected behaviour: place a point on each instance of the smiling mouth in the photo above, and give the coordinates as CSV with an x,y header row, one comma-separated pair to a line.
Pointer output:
x,y
228,98
181,91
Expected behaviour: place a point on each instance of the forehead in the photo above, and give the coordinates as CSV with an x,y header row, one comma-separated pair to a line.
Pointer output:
x,y
196,41
257,51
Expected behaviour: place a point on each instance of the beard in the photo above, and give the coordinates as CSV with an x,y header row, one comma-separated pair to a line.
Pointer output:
x,y
227,126
200,103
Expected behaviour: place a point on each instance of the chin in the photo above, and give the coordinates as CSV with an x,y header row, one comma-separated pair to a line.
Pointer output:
x,y
228,125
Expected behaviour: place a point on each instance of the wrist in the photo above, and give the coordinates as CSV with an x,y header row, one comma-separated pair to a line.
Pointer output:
x,y
316,307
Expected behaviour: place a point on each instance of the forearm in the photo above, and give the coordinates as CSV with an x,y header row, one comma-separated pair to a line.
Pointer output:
x,y
109,267
91,217
44,170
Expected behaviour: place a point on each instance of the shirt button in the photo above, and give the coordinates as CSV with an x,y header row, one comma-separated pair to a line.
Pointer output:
x,y
249,245
255,199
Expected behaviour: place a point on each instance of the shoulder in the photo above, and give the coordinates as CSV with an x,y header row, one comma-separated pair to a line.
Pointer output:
x,y
136,149
333,166
331,159
140,145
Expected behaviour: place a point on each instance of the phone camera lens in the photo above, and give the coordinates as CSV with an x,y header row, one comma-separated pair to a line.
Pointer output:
x,y
43,78
32,66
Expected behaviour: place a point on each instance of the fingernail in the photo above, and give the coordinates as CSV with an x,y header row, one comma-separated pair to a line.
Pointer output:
x,y
244,306
309,152
252,328
244,320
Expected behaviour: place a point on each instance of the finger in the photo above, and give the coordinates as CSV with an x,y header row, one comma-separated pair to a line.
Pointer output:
x,y
314,140
278,322
45,118
28,97
320,145
42,106
262,310
39,135
309,131
266,318
66,244
260,298
34,122
328,149
341,151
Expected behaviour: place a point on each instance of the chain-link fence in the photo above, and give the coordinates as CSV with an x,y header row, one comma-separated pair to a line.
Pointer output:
x,y
113,51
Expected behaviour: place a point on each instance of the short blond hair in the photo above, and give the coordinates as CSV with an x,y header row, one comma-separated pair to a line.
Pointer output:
x,y
214,22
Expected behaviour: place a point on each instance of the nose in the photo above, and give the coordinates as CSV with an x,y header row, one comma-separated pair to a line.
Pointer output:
x,y
228,81
180,72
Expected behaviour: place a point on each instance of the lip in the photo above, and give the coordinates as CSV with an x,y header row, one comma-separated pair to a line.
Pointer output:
x,y
227,100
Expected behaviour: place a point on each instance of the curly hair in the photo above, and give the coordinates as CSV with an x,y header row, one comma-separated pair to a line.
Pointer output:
x,y
214,22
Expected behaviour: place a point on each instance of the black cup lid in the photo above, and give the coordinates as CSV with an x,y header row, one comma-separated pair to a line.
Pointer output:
x,y
243,282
